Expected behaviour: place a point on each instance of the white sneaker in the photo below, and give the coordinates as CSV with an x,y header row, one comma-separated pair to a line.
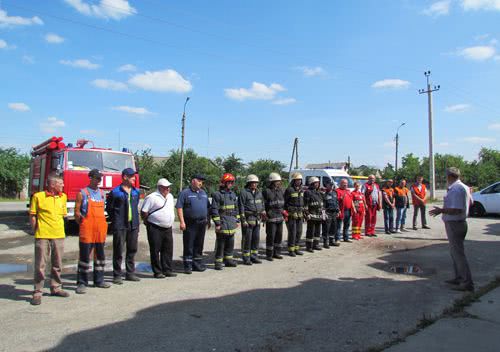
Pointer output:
x,y
398,231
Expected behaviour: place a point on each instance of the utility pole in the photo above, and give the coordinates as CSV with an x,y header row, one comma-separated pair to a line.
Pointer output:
x,y
432,172
182,144
295,152
397,147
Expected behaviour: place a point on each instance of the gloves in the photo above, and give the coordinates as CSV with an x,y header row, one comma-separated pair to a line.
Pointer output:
x,y
285,215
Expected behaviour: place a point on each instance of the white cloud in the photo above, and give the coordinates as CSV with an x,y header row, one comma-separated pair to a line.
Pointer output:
x,y
127,68
439,8
53,38
28,59
3,44
108,9
80,63
475,5
258,91
52,124
109,84
311,71
391,83
494,126
479,140
284,101
132,110
19,107
12,21
161,81
478,53
443,144
457,108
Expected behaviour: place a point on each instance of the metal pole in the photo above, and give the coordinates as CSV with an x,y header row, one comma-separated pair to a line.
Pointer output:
x,y
397,146
296,153
182,144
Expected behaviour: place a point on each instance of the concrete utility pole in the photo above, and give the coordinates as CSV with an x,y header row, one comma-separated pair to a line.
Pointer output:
x,y
295,152
397,146
182,144
432,172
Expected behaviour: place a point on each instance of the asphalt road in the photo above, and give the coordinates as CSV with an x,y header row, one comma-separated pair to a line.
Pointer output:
x,y
349,298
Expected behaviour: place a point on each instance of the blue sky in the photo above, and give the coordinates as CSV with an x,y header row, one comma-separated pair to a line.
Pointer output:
x,y
340,76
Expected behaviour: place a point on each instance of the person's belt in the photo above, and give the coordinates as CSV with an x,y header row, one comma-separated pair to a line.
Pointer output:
x,y
158,227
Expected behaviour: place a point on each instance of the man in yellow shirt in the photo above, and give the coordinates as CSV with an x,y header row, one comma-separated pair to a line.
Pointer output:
x,y
47,212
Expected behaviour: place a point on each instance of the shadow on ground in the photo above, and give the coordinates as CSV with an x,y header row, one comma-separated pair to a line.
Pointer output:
x,y
346,314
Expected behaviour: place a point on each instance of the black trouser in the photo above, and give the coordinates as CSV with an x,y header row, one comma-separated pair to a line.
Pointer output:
x,y
343,225
224,247
84,263
121,238
294,227
193,240
250,240
313,233
416,208
274,236
161,248
329,227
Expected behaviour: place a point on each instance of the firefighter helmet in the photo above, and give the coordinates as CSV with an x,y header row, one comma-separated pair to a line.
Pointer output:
x,y
252,178
274,176
296,176
313,180
227,177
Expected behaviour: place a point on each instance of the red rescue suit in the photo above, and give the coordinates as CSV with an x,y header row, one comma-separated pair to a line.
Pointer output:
x,y
357,218
371,193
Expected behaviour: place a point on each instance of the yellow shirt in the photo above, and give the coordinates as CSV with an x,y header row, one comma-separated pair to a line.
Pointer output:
x,y
50,211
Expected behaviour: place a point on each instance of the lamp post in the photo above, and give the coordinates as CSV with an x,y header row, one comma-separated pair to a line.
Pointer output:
x,y
182,143
397,146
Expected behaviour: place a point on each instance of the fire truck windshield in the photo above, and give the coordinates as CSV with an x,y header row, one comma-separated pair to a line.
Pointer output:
x,y
101,160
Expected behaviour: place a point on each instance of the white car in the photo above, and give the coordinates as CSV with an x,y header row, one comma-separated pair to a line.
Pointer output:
x,y
487,201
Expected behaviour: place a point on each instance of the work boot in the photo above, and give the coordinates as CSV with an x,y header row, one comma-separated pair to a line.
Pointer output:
x,y
331,241
316,246
199,266
269,258
102,285
415,227
230,263
254,259
326,245
336,243
81,289
298,251
269,254
292,253
132,277
246,260
309,247
218,266
188,267
277,253
426,227
398,231
117,280
159,276
60,293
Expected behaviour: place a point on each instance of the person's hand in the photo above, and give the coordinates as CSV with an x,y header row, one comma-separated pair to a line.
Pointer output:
x,y
182,226
244,224
379,207
217,228
435,211
237,225
209,225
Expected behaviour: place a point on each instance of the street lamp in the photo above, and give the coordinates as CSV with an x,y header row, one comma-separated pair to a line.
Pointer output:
x,y
182,144
397,146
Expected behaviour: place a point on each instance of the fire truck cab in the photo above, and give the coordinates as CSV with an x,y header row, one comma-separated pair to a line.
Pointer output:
x,y
73,163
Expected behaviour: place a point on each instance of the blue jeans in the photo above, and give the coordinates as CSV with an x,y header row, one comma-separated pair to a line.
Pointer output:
x,y
343,226
389,219
400,217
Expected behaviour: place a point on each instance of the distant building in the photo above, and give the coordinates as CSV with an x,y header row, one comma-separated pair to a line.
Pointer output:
x,y
337,166
160,159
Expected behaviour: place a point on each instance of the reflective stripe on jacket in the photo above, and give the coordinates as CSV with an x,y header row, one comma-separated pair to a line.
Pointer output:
x,y
224,211
251,206
294,202
274,201
313,204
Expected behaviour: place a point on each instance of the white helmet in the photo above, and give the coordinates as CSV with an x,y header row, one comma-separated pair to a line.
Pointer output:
x,y
252,178
313,179
274,176
296,176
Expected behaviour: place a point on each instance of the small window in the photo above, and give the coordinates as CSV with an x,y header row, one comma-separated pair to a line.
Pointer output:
x,y
496,189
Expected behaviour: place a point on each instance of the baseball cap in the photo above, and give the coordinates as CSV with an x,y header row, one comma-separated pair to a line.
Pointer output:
x,y
200,177
128,172
163,182
94,173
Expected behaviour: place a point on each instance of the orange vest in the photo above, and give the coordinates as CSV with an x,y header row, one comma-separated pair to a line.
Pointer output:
x,y
420,194
93,228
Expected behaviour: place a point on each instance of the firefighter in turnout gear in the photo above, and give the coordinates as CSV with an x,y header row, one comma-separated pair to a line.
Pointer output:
x,y
252,212
313,204
275,215
331,204
225,214
294,205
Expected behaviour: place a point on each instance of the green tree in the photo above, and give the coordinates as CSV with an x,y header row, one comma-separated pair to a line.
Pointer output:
x,y
388,171
149,172
410,167
263,167
14,169
488,167
233,164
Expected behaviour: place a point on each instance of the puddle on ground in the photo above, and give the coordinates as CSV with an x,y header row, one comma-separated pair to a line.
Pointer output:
x,y
410,269
13,268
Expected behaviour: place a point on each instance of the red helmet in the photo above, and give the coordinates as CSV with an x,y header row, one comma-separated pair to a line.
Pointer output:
x,y
227,177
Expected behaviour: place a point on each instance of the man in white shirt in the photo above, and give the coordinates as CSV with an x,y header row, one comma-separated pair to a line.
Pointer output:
x,y
158,215
455,210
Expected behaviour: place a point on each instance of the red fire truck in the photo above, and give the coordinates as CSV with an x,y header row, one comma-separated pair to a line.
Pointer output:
x,y
73,163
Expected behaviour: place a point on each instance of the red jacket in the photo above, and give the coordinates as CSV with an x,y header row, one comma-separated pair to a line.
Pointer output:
x,y
345,200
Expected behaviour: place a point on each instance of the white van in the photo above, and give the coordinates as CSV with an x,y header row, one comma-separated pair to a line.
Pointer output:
x,y
323,174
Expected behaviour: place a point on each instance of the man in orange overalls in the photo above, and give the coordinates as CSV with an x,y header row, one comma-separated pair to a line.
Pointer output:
x,y
89,213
